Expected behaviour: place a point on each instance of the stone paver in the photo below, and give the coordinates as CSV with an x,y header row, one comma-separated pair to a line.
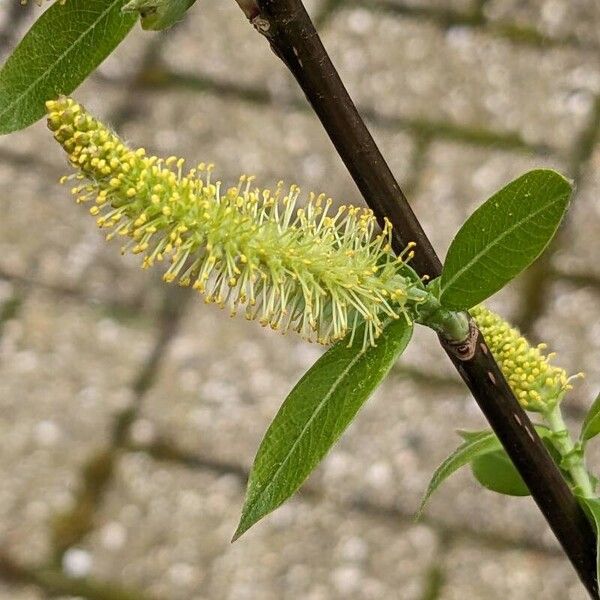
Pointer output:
x,y
306,550
398,65
465,6
19,593
269,142
556,18
570,325
582,244
477,572
60,384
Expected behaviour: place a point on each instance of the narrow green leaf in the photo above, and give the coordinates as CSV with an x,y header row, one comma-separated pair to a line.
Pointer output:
x,y
554,453
314,415
496,472
591,424
472,435
475,445
593,510
503,237
59,51
489,461
543,431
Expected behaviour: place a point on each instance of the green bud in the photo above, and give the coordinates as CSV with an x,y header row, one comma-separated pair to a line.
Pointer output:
x,y
158,14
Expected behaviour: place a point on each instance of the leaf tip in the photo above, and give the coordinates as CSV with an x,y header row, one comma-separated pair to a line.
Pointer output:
x,y
419,514
242,527
557,176
421,510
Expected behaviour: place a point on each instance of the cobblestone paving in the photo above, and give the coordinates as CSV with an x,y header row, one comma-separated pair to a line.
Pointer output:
x,y
131,411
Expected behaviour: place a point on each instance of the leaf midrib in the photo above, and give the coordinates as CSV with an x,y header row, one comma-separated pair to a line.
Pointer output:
x,y
327,396
495,242
59,59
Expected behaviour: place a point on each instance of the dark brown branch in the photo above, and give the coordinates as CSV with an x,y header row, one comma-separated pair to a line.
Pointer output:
x,y
292,36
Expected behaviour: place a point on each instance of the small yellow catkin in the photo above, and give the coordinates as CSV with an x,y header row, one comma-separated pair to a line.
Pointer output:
x,y
537,384
312,270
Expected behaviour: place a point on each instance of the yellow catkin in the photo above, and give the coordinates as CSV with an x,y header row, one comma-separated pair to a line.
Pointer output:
x,y
537,384
314,270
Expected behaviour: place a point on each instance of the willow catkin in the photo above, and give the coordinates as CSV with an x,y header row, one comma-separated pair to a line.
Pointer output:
x,y
536,383
314,270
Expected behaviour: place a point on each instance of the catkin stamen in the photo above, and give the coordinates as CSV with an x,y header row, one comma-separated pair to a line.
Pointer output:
x,y
536,383
302,269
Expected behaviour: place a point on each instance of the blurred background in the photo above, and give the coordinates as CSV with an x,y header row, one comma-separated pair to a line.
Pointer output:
x,y
131,412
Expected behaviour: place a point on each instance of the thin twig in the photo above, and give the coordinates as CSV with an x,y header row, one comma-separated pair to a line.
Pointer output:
x,y
292,36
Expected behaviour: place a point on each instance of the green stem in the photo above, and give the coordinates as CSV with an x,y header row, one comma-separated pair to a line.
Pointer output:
x,y
571,453
452,326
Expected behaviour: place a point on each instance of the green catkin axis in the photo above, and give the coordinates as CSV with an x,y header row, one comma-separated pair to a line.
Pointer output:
x,y
317,272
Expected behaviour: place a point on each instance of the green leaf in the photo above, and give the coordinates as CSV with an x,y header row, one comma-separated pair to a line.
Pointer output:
x,y
591,424
476,444
593,509
495,471
555,454
60,50
472,435
314,415
503,237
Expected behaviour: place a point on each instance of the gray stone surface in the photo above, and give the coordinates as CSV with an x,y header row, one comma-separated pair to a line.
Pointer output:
x,y
65,370
465,6
556,18
19,593
458,112
570,325
580,250
270,142
307,550
477,572
399,65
